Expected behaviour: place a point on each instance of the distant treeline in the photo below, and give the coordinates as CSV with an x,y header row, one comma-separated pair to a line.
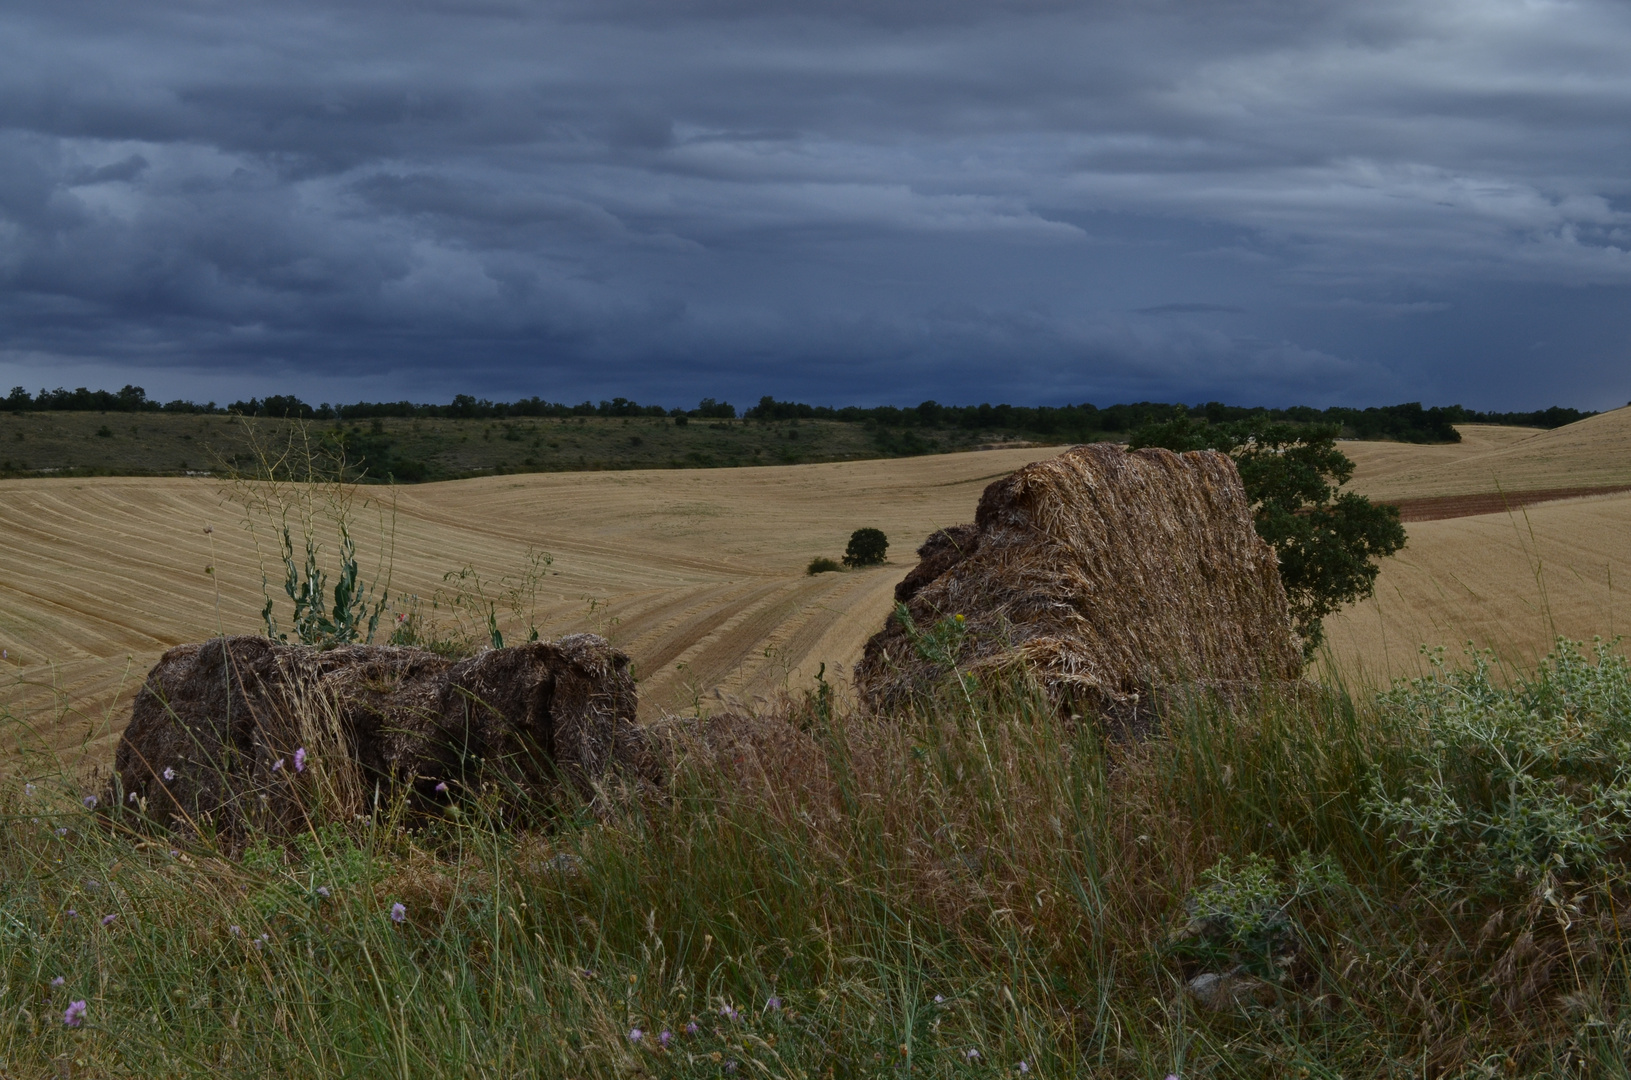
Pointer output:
x,y
1408,423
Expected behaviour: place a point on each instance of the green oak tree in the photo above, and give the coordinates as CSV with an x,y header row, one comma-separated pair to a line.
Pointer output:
x,y
1327,539
867,547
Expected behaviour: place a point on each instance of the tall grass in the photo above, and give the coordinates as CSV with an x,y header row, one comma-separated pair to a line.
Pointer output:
x,y
976,887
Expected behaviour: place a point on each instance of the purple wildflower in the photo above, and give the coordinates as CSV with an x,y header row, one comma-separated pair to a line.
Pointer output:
x,y
300,759
938,1000
75,1014
277,765
973,1054
441,787
774,1004
169,774
322,890
107,920
691,1028
730,1065
729,1013
1024,1067
236,930
71,913
28,789
665,1037
131,798
635,1035
89,801
58,981
62,832
398,913
258,944
174,853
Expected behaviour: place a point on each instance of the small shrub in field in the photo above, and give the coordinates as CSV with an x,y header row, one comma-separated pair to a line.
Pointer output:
x,y
867,547
1243,913
822,565
1515,786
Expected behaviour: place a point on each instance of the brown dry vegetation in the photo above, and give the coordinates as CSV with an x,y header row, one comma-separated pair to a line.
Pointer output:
x,y
699,575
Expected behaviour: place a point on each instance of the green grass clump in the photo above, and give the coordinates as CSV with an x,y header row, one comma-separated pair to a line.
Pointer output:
x,y
823,565
977,888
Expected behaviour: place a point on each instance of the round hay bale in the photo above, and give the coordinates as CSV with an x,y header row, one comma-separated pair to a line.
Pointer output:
x,y
1110,576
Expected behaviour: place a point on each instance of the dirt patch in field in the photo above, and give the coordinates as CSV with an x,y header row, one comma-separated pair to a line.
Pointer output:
x,y
1456,506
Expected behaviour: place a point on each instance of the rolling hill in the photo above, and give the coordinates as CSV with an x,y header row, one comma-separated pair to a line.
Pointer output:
x,y
699,574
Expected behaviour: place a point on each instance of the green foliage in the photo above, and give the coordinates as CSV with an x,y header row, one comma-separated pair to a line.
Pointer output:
x,y
977,874
1514,786
942,643
822,565
355,611
867,547
300,492
1327,540
1243,912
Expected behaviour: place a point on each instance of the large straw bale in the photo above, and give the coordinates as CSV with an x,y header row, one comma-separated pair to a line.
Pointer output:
x,y
1109,575
213,733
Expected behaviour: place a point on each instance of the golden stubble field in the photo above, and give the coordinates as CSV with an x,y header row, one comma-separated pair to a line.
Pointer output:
x,y
699,574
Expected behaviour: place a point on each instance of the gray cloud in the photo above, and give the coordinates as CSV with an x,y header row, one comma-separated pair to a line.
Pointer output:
x,y
848,201
1191,309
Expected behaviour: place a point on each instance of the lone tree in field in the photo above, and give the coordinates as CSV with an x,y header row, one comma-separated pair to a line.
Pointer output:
x,y
1327,540
867,547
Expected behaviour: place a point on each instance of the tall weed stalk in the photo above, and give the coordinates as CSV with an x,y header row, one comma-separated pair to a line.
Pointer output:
x,y
295,498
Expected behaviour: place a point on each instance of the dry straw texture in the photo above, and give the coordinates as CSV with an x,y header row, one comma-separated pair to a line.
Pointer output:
x,y
1107,574
222,732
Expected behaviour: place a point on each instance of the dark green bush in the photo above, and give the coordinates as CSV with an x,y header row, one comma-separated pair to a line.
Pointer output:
x,y
867,547
821,565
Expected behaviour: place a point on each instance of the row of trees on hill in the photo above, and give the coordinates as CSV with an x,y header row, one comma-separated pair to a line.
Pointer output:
x,y
1410,422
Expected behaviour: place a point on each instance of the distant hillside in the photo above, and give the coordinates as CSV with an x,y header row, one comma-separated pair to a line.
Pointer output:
x,y
417,450
1591,453
96,432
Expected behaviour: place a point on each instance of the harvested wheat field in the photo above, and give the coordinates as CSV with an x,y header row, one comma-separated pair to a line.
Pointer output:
x,y
699,575
1510,582
1509,546
1593,453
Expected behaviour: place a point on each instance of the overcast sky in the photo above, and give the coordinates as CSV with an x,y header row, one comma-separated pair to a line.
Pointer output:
x,y
862,201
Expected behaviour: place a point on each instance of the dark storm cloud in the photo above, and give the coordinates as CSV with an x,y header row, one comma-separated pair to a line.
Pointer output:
x,y
848,201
